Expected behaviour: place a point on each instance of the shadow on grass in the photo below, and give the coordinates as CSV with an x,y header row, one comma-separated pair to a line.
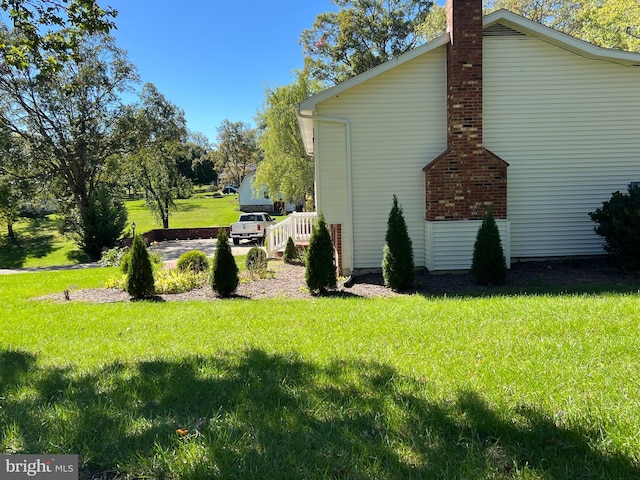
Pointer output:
x,y
257,415
13,254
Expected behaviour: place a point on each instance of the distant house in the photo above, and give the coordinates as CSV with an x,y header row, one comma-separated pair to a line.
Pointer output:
x,y
250,201
500,112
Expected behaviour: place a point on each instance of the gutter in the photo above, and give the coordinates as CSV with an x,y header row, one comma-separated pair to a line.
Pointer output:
x,y
347,127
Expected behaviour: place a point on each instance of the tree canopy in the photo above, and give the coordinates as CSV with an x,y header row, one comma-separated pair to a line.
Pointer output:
x,y
67,117
155,130
286,169
606,23
361,35
237,152
45,34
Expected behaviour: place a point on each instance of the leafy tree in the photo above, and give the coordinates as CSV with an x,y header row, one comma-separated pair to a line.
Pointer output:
x,y
48,33
224,275
619,223
16,185
320,272
195,163
67,117
612,23
434,24
237,151
397,255
154,130
488,266
361,35
286,169
606,23
104,220
139,283
561,15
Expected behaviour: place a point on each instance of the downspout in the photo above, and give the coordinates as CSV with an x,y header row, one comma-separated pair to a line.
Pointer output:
x,y
347,126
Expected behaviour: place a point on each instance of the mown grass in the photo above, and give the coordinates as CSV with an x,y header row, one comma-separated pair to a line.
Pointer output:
x,y
536,387
40,245
198,211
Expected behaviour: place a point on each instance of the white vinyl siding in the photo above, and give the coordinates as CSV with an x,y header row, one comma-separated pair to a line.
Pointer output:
x,y
450,244
569,127
398,125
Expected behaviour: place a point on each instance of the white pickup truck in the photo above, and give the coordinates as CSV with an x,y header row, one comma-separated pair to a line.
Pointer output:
x,y
251,226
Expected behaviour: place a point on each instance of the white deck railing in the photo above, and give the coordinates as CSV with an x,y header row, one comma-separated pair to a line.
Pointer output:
x,y
298,226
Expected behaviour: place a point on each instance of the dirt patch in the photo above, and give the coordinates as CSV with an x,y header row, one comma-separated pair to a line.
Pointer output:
x,y
573,276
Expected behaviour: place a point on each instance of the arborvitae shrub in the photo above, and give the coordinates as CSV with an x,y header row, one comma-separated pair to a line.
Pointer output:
x,y
103,221
320,272
194,260
397,255
291,252
224,275
489,266
125,261
139,283
256,260
619,223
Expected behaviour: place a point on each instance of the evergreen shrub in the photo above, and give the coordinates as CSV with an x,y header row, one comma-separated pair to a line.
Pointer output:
x,y
102,222
320,272
291,252
619,223
224,277
489,266
397,255
140,281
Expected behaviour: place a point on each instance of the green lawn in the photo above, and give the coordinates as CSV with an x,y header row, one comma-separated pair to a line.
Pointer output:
x,y
40,245
526,387
198,211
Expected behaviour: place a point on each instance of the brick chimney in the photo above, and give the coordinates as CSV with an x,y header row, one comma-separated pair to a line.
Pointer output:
x,y
465,180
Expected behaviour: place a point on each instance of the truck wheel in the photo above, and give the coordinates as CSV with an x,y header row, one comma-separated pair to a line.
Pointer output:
x,y
260,241
236,241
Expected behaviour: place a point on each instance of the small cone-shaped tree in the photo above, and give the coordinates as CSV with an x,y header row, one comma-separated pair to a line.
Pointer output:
x,y
397,255
489,265
290,252
320,273
224,275
139,283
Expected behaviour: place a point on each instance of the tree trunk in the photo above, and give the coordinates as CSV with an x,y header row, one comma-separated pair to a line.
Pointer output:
x,y
10,232
165,215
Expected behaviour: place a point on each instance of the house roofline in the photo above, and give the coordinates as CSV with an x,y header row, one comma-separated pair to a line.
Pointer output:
x,y
306,109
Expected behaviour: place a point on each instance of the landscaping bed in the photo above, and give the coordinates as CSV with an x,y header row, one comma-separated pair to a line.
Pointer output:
x,y
287,281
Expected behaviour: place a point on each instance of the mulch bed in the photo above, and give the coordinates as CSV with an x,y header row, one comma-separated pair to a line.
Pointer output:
x,y
575,276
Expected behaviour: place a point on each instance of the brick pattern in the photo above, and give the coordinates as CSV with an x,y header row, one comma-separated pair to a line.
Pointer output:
x,y
467,179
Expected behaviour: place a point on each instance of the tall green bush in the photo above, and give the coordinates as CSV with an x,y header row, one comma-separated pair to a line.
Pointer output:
x,y
489,266
103,221
139,283
320,272
224,275
619,223
397,255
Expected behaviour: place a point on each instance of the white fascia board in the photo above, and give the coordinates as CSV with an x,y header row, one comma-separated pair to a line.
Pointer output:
x,y
559,39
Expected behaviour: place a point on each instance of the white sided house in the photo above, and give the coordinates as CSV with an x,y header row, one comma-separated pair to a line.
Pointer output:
x,y
252,201
500,112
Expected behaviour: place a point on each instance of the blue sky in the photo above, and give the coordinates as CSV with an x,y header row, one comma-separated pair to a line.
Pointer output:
x,y
213,58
